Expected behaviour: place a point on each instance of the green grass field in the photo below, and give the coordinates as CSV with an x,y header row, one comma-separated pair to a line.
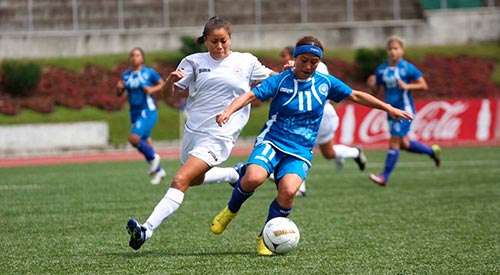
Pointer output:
x,y
70,219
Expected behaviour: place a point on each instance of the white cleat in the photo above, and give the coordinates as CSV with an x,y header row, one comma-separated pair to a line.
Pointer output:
x,y
154,164
158,177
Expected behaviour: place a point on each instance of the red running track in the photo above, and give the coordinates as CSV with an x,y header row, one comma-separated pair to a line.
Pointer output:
x,y
97,157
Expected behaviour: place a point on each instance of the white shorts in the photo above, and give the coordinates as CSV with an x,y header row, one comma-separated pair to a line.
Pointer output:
x,y
328,126
211,149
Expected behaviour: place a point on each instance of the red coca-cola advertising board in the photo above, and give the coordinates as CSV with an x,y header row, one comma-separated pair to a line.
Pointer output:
x,y
445,122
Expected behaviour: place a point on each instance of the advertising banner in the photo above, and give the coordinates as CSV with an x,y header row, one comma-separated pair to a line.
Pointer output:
x,y
445,122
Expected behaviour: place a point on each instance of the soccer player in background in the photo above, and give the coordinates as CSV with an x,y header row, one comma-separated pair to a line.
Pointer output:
x,y
141,82
327,128
214,79
285,143
397,78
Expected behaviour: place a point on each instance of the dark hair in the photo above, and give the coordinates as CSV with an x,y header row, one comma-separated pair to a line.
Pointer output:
x,y
213,24
289,49
140,50
310,40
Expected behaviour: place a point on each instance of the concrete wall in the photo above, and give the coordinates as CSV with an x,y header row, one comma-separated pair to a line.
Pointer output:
x,y
44,138
439,27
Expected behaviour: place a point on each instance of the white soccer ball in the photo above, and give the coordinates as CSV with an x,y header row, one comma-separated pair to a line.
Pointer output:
x,y
281,235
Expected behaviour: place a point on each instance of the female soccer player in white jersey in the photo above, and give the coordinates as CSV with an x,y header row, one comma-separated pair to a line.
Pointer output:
x,y
328,126
141,82
398,78
284,145
214,78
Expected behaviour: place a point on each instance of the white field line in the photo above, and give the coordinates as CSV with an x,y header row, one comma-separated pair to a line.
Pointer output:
x,y
19,187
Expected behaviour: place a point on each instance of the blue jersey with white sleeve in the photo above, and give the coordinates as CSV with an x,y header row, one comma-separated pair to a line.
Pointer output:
x,y
388,76
139,100
296,110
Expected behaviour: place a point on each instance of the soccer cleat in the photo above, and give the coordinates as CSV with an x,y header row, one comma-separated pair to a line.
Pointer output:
x,y
158,176
437,154
137,234
361,159
378,179
154,164
241,169
221,221
262,248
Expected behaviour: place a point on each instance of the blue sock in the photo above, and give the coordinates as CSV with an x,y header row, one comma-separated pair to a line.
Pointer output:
x,y
275,210
390,162
146,150
420,148
238,198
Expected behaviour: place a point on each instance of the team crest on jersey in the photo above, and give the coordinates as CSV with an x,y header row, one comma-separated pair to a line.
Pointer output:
x,y
323,89
238,72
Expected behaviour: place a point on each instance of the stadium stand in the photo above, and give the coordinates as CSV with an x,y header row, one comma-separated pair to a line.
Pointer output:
x,y
44,15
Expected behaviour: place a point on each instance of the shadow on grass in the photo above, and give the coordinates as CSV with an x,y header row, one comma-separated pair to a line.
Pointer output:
x,y
140,254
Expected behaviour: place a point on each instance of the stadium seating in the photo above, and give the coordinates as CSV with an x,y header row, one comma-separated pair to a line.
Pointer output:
x,y
98,14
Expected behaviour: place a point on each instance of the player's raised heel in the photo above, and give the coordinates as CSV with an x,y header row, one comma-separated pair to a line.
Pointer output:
x,y
157,178
262,248
154,164
437,154
137,234
361,159
221,221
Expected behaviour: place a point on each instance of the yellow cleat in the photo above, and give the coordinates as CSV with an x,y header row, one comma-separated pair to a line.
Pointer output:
x,y
262,248
221,221
437,154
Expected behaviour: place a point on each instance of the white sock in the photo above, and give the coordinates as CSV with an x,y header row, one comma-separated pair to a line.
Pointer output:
x,y
342,151
164,209
218,175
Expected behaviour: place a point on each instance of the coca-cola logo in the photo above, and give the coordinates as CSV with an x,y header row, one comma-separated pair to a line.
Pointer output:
x,y
439,120
374,127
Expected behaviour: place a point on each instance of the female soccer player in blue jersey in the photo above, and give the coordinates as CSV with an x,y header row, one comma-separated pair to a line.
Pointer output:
x,y
141,82
284,145
328,127
397,78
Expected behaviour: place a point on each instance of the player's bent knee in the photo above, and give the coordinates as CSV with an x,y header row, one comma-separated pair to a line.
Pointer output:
x,y
180,182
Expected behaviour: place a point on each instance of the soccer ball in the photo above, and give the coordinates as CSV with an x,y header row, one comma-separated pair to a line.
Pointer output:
x,y
281,235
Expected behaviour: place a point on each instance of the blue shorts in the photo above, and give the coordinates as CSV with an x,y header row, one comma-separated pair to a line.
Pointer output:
x,y
278,162
144,123
399,129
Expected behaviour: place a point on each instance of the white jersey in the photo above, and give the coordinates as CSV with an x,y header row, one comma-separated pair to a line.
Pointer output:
x,y
330,120
328,126
322,68
213,85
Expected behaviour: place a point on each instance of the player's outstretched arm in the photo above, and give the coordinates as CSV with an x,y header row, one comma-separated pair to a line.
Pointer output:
x,y
120,87
237,104
155,88
371,101
168,87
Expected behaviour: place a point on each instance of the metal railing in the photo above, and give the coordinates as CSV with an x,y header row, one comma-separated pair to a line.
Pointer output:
x,y
197,11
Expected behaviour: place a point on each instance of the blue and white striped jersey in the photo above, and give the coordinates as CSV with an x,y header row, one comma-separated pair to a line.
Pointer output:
x,y
388,76
296,110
